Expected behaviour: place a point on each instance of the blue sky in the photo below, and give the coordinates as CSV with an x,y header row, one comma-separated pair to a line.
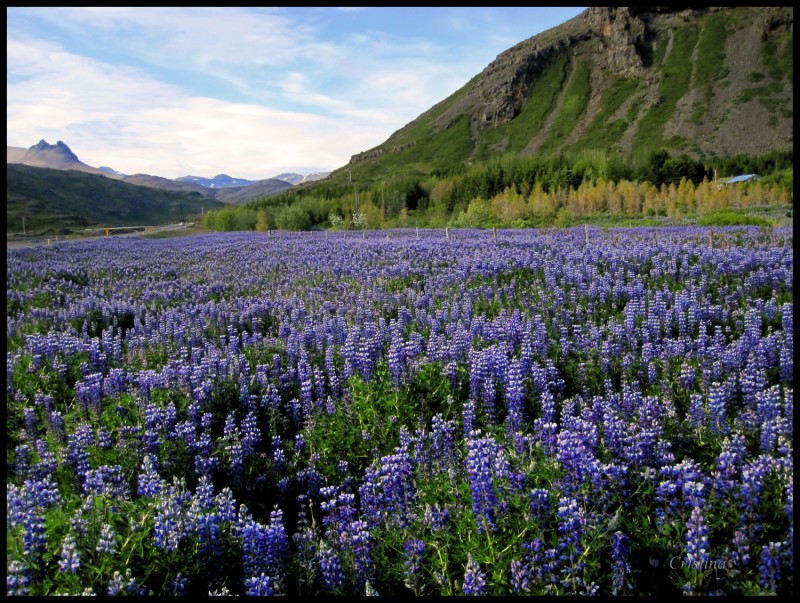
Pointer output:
x,y
249,92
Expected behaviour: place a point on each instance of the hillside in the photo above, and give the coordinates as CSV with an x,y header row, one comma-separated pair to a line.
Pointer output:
x,y
56,156
705,82
239,195
58,201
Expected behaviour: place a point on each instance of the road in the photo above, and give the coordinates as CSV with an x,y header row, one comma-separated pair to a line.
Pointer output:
x,y
21,243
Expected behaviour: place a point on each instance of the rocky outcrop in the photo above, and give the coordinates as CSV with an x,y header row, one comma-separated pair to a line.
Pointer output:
x,y
374,154
620,33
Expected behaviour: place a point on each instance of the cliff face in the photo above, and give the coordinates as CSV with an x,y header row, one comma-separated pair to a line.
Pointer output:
x,y
732,100
613,33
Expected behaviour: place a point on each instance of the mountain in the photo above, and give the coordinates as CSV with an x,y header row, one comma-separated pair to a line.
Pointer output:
x,y
170,185
58,157
627,82
111,171
222,187
293,178
257,190
57,201
218,181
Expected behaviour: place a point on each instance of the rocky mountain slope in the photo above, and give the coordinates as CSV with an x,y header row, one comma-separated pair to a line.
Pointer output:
x,y
704,82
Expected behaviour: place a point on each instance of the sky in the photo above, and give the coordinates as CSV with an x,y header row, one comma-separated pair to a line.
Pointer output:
x,y
243,91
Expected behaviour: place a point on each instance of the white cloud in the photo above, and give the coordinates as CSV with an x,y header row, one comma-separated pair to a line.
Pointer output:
x,y
122,118
246,91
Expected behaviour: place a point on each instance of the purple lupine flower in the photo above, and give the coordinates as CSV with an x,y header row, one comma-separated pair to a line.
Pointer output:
x,y
277,548
768,411
474,578
769,570
546,435
539,505
54,422
391,489
413,552
340,511
443,443
104,439
697,539
118,585
169,528
515,394
621,569
204,462
739,554
717,408
77,455
236,452
436,519
697,411
176,587
30,430
207,527
22,461
18,579
34,539
468,416
278,454
149,482
259,586
521,576
106,480
330,567
753,379
304,542
361,544
70,557
106,542
265,547
79,524
481,452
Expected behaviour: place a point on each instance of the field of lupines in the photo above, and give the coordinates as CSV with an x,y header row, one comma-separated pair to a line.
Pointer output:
x,y
562,412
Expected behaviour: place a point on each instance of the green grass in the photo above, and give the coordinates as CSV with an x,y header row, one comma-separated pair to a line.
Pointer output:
x,y
711,47
732,218
777,56
174,234
602,132
576,97
542,96
676,79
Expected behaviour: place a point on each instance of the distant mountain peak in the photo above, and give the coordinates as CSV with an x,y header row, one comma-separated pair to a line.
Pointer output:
x,y
62,149
218,181
108,170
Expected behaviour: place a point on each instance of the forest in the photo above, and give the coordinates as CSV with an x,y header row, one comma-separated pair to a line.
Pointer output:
x,y
513,192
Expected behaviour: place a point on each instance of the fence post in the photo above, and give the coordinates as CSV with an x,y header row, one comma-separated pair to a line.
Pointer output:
x,y
711,239
586,232
447,232
418,232
494,233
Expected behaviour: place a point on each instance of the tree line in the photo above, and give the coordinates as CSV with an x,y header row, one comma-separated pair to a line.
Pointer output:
x,y
517,192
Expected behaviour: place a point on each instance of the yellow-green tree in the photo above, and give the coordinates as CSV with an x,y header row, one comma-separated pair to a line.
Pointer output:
x,y
262,222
